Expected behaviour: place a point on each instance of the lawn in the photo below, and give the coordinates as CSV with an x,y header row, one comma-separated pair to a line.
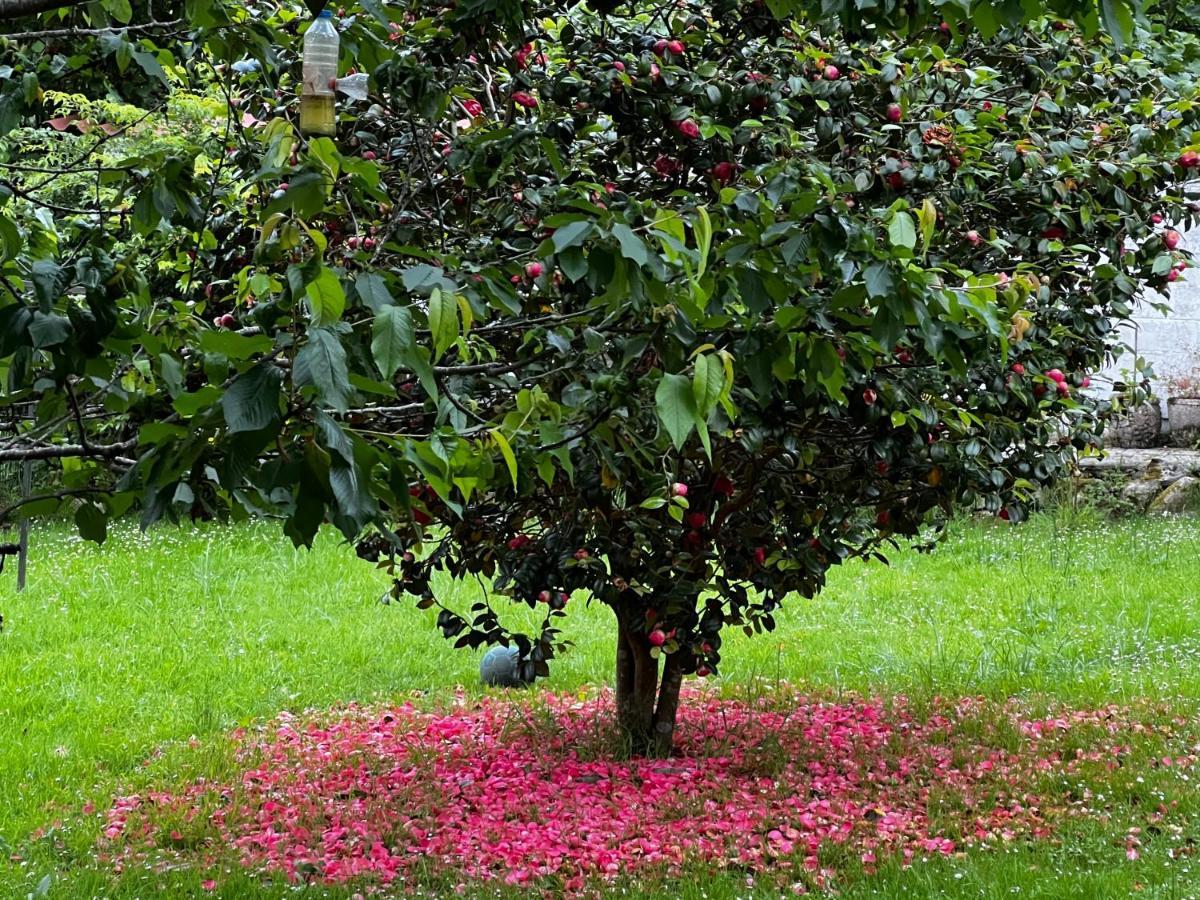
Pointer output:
x,y
124,665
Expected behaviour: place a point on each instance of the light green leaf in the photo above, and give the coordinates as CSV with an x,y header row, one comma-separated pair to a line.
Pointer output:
x,y
506,451
326,298
703,229
234,345
633,248
391,338
251,403
927,216
321,362
707,381
373,291
571,235
1118,20
443,320
878,278
901,230
675,403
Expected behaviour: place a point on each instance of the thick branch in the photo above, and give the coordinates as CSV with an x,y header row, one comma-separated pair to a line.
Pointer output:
x,y
13,9
50,33
58,451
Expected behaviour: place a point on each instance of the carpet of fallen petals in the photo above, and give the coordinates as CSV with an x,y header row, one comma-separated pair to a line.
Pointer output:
x,y
788,787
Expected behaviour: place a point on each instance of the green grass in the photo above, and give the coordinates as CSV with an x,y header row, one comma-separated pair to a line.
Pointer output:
x,y
116,654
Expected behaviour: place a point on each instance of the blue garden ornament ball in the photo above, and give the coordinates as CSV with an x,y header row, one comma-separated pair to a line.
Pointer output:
x,y
499,668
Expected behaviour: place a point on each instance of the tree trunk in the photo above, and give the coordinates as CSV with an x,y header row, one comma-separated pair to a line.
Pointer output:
x,y
668,705
637,684
648,728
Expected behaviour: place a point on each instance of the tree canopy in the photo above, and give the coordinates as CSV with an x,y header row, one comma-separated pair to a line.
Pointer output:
x,y
672,307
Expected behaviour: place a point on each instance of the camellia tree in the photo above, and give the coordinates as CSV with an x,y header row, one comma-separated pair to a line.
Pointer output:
x,y
665,307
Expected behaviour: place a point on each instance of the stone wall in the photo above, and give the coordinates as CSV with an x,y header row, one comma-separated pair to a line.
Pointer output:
x,y
1170,343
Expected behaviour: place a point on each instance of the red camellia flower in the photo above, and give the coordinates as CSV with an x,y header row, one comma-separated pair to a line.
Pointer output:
x,y
522,56
688,129
695,520
722,486
869,397
1054,232
526,100
533,269
1018,368
657,638
666,166
473,107
1056,375
660,46
760,555
1189,160
676,47
723,172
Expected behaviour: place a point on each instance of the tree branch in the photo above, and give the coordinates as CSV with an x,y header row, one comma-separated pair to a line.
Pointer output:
x,y
59,451
14,9
90,32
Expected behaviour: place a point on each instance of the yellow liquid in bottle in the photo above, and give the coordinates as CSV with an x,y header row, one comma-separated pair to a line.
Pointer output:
x,y
318,114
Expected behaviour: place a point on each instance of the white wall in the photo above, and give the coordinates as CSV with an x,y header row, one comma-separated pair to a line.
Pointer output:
x,y
1170,343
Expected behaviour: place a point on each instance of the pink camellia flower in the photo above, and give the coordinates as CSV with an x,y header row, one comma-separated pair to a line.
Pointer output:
x,y
1056,375
676,47
1171,238
526,100
533,269
679,489
619,66
655,72
894,112
1189,160
660,46
473,107
1156,218
832,73
1086,382
688,129
522,56
209,885
657,637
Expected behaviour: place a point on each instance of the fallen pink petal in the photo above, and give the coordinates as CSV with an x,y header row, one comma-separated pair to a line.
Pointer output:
x,y
511,792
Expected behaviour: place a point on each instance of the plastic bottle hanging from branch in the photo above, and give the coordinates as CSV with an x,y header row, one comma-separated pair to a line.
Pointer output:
x,y
318,111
